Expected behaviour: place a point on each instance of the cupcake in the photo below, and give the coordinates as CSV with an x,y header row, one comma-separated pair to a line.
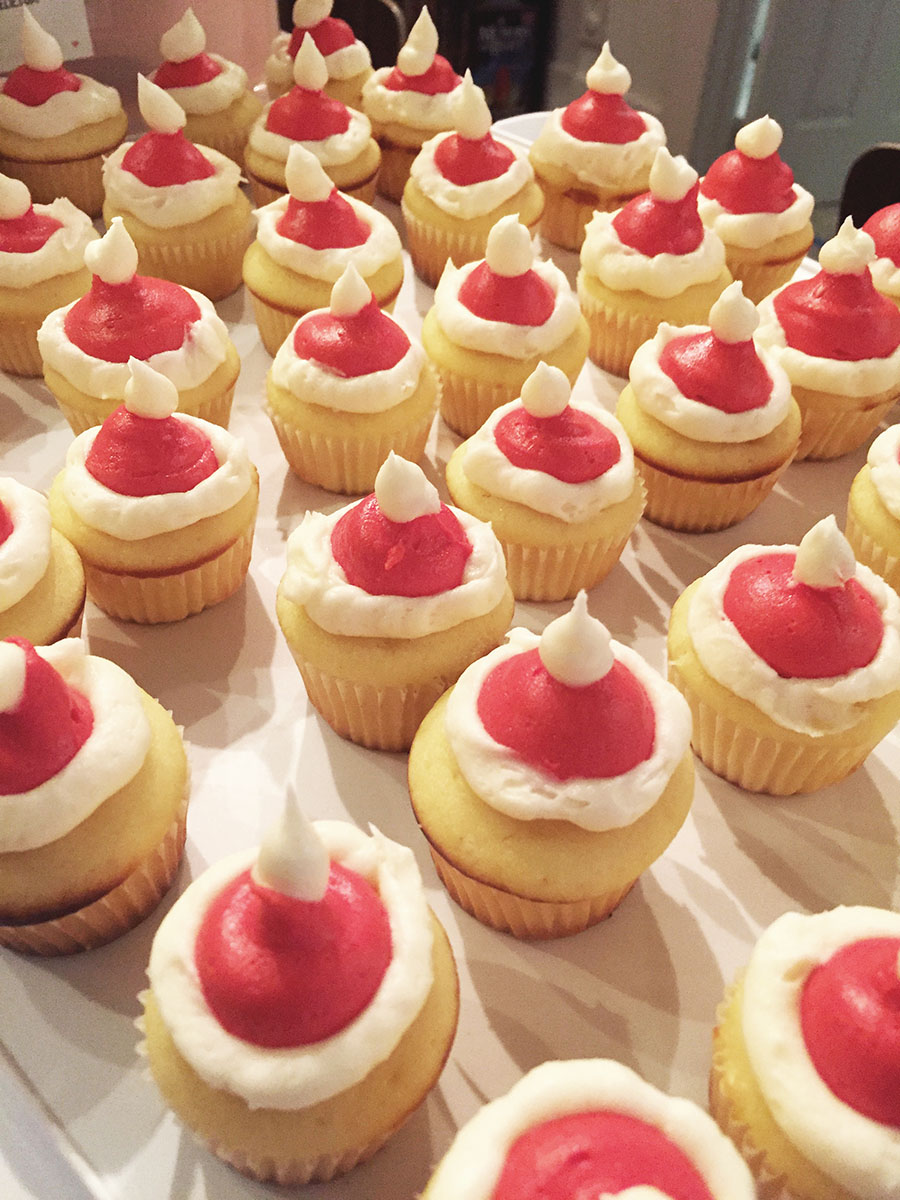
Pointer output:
x,y
494,320
346,57
461,183
182,204
340,137
302,1001
384,603
555,478
160,505
347,387
748,196
873,508
596,153
883,227
806,1071
789,657
41,268
711,419
56,126
214,93
537,834
589,1127
651,261
85,346
409,103
93,795
304,243
839,341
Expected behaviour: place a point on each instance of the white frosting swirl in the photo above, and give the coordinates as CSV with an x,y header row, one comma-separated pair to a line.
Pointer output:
x,y
752,230
886,276
421,45
575,648
760,138
470,199
61,254
292,858
331,151
599,164
403,490
343,63
884,468
15,199
183,40
607,75
824,557
25,553
161,112
215,94
173,204
61,113
849,252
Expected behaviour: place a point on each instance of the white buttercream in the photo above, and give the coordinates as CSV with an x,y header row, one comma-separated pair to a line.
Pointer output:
x,y
12,676
749,231
431,112
343,63
350,294
149,394
160,111
292,858
473,117
575,648
15,199
40,50
865,1158
114,259
470,199
886,276
824,557
421,45
510,250
760,138
310,71
403,490
884,468
607,75
609,165
215,94
25,553
307,13
546,392
733,318
671,176
305,176
849,252
61,254
183,40
61,113
294,1078
331,151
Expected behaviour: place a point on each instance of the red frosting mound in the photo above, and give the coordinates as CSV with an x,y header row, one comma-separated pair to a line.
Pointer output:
x,y
352,345
440,77
330,34
850,1016
189,73
307,115
465,161
652,226
593,732
742,184
33,88
6,523
729,376
49,725
884,228
802,632
149,456
582,1156
323,224
25,234
602,117
572,446
838,316
421,557
281,972
162,159
118,321
524,299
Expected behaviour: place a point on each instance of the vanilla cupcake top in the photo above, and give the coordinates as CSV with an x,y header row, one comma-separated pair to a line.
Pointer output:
x,y
421,89
884,229
345,55
39,242
884,468
24,540
198,82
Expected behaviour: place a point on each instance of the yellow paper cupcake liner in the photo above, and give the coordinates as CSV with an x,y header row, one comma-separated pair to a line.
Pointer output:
x,y
871,553
211,266
19,354
615,334
216,409
702,505
80,179
566,215
550,573
293,1172
758,278
430,248
836,425
396,162
466,403
274,324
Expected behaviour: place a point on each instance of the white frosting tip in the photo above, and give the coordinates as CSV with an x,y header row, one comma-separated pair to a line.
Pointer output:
x,y
15,198
148,393
403,490
824,557
12,676
307,13
310,68
160,110
733,317
510,250
849,252
575,648
40,50
306,178
292,858
350,294
113,258
671,176
417,53
607,75
546,392
471,112
760,138
184,40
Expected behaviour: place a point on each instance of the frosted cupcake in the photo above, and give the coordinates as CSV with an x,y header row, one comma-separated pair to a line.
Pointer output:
x,y
790,659
295,1056
219,105
85,346
56,126
41,268
883,227
839,341
806,1046
386,601
711,419
873,508
340,137
537,834
596,153
410,103
555,478
304,243
494,320
651,261
749,197
93,796
346,57
461,183
182,204
347,387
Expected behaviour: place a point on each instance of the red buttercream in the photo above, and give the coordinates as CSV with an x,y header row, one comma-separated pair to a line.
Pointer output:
x,y
307,115
572,445
352,345
118,321
729,376
850,1015
421,557
884,228
280,972
163,159
149,456
584,1155
465,161
838,316
524,299
330,34
323,224
189,73
742,184
34,88
802,632
597,731
25,234
6,523
602,117
46,729
652,226
440,77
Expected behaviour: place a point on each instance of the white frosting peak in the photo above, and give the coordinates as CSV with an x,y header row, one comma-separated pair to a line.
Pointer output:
x,y
403,491
305,176
509,247
307,13
473,117
643,1191
671,176
849,252
186,39
292,858
417,53
575,648
733,318
113,258
350,294
310,69
148,393
12,676
15,199
824,556
40,50
546,391
760,138
608,75
161,111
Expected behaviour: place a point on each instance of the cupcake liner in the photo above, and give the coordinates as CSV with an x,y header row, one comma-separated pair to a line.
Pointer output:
x,y
430,248
567,212
615,334
293,1172
871,553
19,354
274,324
364,191
549,573
396,162
211,265
831,430
79,178
217,409
262,191
760,278
467,402
702,505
